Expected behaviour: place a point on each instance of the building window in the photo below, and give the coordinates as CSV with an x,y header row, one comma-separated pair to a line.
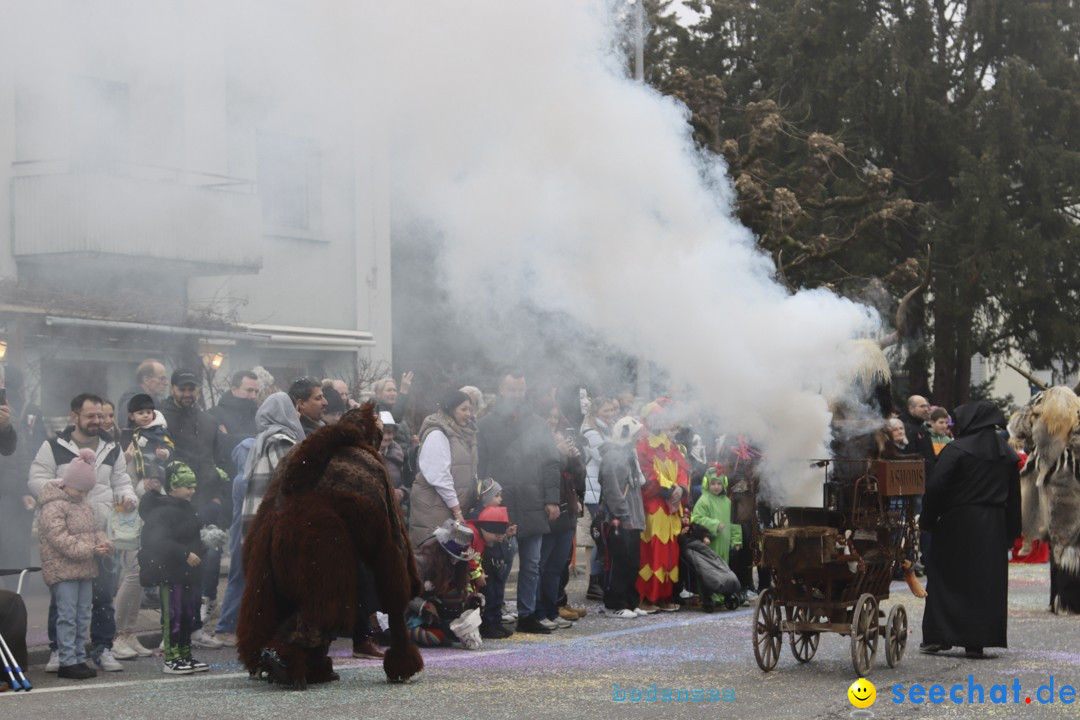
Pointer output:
x,y
289,181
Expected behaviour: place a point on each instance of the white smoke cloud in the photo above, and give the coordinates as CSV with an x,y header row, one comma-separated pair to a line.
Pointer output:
x,y
550,176
511,131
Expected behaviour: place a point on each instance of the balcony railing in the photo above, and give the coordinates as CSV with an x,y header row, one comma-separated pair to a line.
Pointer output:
x,y
206,224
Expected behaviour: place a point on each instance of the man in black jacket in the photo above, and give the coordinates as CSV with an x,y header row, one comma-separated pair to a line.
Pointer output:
x,y
198,444
919,441
517,449
235,413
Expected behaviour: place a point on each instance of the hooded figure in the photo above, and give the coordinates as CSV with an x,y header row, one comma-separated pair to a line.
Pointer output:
x,y
972,510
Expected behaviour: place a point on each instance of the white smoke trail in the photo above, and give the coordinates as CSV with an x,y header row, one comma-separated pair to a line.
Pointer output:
x,y
552,177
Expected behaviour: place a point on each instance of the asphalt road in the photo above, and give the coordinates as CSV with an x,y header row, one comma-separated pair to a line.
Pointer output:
x,y
573,673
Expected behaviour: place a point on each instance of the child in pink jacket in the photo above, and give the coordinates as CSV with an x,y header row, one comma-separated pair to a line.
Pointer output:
x,y
70,538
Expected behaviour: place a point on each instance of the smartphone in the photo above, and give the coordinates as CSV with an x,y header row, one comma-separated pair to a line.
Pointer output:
x,y
570,433
3,396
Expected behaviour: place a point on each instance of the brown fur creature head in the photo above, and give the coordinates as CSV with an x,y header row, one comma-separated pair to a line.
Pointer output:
x,y
364,418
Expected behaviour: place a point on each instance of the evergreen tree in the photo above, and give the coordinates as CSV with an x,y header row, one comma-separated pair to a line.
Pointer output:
x,y
959,129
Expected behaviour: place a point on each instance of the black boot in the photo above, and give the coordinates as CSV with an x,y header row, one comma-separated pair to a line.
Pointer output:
x,y
595,591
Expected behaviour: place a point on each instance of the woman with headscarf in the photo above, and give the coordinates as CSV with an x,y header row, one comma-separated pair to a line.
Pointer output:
x,y
972,510
279,428
445,487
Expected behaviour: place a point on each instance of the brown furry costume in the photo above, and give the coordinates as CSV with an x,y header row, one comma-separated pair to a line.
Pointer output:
x,y
330,507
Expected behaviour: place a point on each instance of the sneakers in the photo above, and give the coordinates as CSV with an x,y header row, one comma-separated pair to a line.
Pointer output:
x,y
509,613
639,612
201,639
107,662
131,641
561,623
54,662
179,666
121,651
549,624
368,649
669,607
624,614
79,671
648,608
227,639
529,624
196,665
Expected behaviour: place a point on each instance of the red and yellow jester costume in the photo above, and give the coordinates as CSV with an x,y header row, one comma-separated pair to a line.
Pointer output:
x,y
664,468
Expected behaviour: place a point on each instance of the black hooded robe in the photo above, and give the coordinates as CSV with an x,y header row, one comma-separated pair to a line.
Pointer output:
x,y
972,509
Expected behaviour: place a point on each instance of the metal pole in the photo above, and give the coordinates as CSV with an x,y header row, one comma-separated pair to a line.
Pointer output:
x,y
639,40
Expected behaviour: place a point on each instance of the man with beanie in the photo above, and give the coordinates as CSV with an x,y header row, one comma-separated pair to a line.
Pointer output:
x,y
112,486
335,406
199,444
517,449
235,413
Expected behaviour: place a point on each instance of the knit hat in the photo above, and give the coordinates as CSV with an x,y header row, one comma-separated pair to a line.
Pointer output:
x,y
179,475
140,401
494,519
486,490
455,538
334,404
81,473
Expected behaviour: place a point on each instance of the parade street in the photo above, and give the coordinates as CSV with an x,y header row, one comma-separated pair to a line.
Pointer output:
x,y
579,672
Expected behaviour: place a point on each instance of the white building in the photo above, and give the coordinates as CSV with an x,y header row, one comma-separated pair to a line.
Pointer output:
x,y
160,197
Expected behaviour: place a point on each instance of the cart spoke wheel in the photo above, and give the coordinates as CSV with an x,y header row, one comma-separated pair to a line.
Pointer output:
x,y
864,634
767,636
896,634
803,644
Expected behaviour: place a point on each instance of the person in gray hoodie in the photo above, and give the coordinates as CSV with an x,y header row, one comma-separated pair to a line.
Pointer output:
x,y
623,518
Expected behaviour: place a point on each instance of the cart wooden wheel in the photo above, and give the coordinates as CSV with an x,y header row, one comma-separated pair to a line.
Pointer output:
x,y
896,632
864,634
767,636
803,644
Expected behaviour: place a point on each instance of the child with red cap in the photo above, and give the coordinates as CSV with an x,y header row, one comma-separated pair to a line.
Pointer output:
x,y
491,530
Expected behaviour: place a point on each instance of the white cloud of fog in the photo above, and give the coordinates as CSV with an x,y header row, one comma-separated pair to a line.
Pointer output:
x,y
552,176
511,130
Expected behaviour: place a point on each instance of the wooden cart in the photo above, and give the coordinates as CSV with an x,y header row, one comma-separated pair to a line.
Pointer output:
x,y
832,566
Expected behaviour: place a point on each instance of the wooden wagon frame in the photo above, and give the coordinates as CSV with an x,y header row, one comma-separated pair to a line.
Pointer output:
x,y
832,566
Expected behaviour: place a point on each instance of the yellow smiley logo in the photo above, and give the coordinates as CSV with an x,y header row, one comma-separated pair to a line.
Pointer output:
x,y
862,693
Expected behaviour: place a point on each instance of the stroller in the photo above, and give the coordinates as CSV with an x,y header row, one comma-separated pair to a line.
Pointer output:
x,y
714,577
12,674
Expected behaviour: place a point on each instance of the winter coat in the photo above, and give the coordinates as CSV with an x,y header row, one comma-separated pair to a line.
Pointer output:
x,y
518,451
146,441
571,488
68,531
713,512
170,531
394,457
621,481
113,482
427,508
237,416
17,447
594,440
198,443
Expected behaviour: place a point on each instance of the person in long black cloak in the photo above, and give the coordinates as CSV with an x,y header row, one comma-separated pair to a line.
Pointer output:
x,y
972,509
